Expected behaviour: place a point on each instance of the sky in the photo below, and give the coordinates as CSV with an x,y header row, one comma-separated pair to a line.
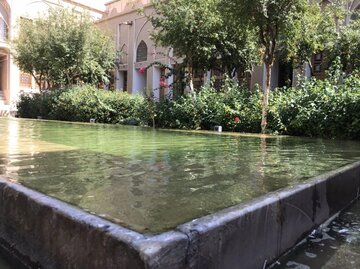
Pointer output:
x,y
98,4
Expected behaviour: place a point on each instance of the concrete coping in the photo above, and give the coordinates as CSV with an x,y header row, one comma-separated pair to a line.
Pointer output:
x,y
55,234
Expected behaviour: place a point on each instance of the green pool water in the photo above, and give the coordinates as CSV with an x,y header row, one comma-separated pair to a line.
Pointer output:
x,y
152,180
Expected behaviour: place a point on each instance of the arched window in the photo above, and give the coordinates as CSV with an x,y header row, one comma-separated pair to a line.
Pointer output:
x,y
141,52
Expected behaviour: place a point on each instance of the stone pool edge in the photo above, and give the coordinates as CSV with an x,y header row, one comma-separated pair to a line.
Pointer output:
x,y
248,235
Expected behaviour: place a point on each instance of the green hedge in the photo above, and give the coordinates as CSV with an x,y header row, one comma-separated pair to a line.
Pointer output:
x,y
85,103
318,108
234,108
315,108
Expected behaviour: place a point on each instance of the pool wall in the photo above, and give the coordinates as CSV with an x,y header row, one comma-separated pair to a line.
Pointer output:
x,y
250,235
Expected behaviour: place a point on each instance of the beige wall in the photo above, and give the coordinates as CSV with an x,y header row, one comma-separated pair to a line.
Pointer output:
x,y
129,29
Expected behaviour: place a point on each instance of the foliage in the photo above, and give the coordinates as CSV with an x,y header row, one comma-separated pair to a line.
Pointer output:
x,y
234,108
199,31
236,47
315,32
63,48
36,105
320,108
347,47
272,21
85,103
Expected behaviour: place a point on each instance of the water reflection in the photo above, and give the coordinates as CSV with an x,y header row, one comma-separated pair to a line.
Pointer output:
x,y
154,180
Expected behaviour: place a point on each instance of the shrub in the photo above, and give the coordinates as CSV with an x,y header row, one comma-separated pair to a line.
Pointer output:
x,y
315,108
234,108
82,103
36,105
319,108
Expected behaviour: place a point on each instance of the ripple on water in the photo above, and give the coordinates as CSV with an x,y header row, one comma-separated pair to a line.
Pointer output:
x,y
151,180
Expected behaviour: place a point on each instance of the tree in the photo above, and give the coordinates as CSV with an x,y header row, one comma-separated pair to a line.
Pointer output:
x,y
272,20
347,47
311,35
200,33
324,28
63,48
236,47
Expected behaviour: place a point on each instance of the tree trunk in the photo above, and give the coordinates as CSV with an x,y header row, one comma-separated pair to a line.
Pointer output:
x,y
37,80
265,102
190,77
310,66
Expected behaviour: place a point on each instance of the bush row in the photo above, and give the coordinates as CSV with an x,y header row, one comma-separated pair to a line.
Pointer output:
x,y
319,108
234,108
314,108
82,103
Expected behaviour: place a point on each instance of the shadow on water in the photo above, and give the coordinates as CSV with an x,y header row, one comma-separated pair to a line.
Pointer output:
x,y
337,247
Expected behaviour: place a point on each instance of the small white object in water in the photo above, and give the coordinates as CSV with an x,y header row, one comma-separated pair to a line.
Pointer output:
x,y
218,128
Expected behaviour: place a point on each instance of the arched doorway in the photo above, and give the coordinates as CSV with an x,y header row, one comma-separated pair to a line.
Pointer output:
x,y
140,79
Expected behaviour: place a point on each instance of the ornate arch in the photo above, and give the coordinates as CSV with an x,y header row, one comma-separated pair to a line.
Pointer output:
x,y
142,52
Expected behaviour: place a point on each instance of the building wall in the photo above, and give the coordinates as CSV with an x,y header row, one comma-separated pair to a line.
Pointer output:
x,y
129,29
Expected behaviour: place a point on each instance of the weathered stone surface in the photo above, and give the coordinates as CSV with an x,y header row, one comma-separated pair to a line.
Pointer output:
x,y
254,234
250,235
167,250
60,236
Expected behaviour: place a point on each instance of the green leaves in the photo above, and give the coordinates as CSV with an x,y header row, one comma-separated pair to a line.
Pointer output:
x,y
318,108
347,47
82,103
63,48
201,32
315,108
233,107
